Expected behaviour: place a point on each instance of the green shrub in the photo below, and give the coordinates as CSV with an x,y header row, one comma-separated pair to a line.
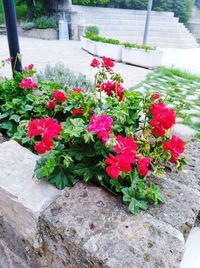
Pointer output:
x,y
92,29
62,75
102,39
28,25
1,19
181,8
133,45
91,2
115,42
45,22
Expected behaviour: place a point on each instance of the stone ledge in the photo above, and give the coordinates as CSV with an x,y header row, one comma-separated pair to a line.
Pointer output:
x,y
21,198
85,226
90,228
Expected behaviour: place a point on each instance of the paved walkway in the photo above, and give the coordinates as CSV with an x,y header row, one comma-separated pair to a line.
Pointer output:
x,y
185,59
42,52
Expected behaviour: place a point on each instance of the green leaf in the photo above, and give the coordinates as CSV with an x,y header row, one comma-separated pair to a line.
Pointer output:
x,y
28,107
15,117
135,205
4,115
83,171
45,165
61,178
73,128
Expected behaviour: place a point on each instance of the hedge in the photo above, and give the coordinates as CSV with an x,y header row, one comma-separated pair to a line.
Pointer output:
x,y
181,8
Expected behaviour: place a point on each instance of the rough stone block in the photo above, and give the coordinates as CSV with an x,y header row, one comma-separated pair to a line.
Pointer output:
x,y
181,207
88,227
21,197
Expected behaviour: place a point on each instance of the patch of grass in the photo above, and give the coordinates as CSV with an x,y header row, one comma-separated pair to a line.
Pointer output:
x,y
163,71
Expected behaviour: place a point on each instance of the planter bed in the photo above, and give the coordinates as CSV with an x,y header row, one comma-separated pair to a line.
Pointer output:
x,y
89,45
112,51
140,57
46,34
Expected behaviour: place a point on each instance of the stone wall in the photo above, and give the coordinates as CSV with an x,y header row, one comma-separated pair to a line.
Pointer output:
x,y
194,23
84,226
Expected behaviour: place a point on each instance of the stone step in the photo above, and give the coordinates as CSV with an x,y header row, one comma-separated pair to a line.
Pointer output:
x,y
124,22
162,39
128,25
153,34
128,18
153,28
111,11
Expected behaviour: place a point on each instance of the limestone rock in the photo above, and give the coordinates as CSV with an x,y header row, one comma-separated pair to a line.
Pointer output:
x,y
181,207
90,228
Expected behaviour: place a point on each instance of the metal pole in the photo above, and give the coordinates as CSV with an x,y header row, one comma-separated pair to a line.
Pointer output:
x,y
150,4
12,35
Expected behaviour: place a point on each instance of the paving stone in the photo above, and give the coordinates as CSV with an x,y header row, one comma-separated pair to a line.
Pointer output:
x,y
191,258
191,97
195,119
183,131
90,228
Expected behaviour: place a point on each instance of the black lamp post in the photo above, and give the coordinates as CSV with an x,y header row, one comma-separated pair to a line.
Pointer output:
x,y
150,4
11,26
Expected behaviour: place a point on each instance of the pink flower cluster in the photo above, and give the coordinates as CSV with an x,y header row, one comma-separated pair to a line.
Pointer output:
x,y
101,125
48,129
27,83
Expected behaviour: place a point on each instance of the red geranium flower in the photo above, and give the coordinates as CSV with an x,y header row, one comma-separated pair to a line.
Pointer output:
x,y
125,145
142,165
113,89
155,96
29,67
42,146
77,90
95,63
50,104
77,111
176,146
46,127
121,162
59,95
107,63
163,118
34,128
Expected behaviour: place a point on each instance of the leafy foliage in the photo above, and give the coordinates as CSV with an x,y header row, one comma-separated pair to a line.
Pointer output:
x,y
45,22
181,8
64,76
96,38
103,135
92,29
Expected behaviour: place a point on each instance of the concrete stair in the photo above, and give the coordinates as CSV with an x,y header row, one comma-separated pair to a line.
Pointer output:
x,y
2,29
165,30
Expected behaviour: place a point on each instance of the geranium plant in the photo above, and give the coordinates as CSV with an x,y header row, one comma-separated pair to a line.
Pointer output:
x,y
109,135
